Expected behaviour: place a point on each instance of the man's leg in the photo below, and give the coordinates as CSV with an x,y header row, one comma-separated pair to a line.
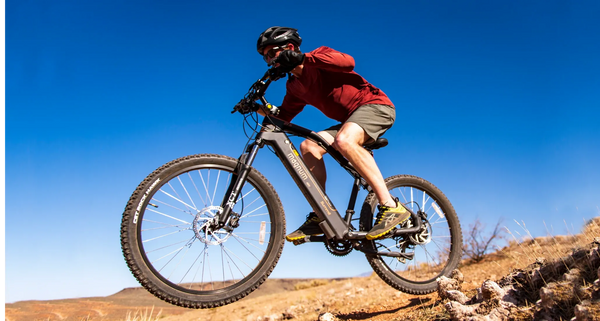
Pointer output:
x,y
313,157
349,141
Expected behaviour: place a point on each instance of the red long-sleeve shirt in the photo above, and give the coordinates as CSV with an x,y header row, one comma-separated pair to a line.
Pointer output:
x,y
329,83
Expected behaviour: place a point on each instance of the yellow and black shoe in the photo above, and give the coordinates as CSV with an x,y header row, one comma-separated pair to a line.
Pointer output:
x,y
310,227
387,219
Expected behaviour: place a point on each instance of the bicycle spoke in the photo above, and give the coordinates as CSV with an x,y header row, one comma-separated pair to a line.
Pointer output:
x,y
179,263
168,254
252,190
256,209
164,235
237,267
203,253
205,188
216,184
177,199
238,239
412,203
166,246
196,187
169,216
167,204
186,191
165,225
188,271
246,240
256,199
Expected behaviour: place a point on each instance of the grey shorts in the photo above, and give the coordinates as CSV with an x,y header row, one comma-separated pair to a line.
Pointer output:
x,y
374,119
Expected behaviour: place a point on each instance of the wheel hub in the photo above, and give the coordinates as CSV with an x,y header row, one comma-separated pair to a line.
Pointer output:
x,y
205,226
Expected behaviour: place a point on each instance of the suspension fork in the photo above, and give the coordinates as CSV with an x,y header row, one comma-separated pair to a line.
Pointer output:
x,y
238,179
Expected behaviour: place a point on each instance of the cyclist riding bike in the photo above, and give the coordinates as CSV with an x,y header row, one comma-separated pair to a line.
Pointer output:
x,y
325,78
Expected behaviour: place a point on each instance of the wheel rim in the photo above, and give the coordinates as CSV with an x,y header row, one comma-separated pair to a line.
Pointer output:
x,y
177,244
431,247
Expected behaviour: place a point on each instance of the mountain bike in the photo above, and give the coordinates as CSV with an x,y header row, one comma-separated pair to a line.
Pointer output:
x,y
206,230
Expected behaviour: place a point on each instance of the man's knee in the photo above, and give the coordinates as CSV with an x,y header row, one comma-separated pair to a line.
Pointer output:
x,y
344,142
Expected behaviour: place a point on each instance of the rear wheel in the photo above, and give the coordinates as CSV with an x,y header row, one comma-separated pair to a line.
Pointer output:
x,y
172,247
437,249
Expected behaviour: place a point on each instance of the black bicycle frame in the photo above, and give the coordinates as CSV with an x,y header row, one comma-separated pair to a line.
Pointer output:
x,y
273,134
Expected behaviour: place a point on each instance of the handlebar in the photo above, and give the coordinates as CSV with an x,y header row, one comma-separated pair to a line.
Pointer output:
x,y
257,91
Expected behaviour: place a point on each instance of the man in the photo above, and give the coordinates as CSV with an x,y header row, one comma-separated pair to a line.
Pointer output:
x,y
324,78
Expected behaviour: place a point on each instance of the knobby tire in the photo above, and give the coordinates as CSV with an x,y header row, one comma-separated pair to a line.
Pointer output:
x,y
158,200
438,257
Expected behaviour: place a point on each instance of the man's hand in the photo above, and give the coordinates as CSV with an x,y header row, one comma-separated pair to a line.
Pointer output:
x,y
276,73
289,60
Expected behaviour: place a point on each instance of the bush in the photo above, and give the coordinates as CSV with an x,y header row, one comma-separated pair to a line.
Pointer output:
x,y
477,244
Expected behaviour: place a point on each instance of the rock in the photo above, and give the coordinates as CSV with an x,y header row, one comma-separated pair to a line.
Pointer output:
x,y
546,297
457,296
461,312
292,312
559,283
586,311
490,290
273,317
326,317
499,314
458,276
446,284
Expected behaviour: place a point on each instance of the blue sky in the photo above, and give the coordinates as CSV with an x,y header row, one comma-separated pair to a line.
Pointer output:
x,y
497,104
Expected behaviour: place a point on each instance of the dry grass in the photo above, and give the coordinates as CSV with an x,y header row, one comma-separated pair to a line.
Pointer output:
x,y
310,284
146,315
366,298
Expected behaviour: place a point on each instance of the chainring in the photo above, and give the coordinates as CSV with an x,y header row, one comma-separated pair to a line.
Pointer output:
x,y
338,248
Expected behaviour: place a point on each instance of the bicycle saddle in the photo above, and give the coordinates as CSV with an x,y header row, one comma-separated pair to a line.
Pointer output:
x,y
379,143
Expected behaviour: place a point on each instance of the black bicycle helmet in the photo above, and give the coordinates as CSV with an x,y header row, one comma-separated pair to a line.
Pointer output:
x,y
277,36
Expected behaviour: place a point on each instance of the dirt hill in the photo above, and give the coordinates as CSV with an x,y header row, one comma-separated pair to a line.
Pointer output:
x,y
362,298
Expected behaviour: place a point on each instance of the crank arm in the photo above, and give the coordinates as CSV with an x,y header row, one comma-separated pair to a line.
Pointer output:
x,y
311,238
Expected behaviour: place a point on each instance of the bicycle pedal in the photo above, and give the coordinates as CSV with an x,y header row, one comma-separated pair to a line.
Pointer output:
x,y
302,240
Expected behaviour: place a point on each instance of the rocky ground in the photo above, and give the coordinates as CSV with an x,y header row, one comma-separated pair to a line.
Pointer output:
x,y
545,290
547,278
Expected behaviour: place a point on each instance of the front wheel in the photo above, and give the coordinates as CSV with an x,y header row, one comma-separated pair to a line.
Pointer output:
x,y
436,250
172,247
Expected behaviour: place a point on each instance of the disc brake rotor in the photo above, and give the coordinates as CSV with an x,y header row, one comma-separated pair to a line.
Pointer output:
x,y
424,236
204,226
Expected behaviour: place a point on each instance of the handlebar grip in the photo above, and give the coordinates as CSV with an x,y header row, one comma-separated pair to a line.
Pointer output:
x,y
275,73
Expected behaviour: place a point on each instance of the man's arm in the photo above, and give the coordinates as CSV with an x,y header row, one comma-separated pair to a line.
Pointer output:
x,y
329,59
290,107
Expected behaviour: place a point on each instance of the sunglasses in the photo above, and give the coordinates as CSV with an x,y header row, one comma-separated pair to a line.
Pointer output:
x,y
272,52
